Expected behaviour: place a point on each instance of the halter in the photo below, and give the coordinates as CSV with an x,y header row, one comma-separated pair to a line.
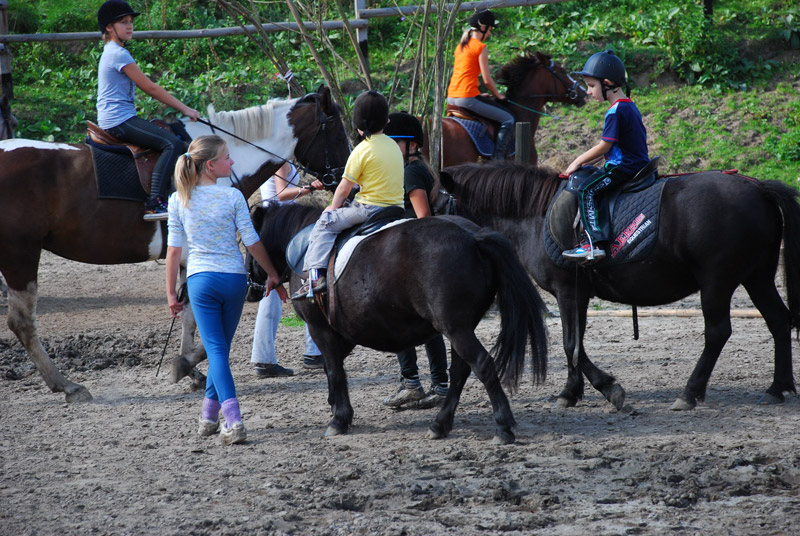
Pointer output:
x,y
571,92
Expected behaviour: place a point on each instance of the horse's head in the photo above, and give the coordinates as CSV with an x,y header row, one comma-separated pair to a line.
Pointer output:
x,y
322,144
8,123
536,77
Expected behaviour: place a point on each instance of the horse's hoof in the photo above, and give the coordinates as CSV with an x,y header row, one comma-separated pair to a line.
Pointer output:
x,y
432,433
503,439
617,396
180,369
681,404
770,400
198,380
332,431
564,403
78,393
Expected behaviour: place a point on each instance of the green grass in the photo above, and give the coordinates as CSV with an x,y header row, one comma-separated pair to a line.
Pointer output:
x,y
292,321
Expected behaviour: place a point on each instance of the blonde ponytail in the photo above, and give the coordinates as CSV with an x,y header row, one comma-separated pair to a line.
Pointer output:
x,y
190,164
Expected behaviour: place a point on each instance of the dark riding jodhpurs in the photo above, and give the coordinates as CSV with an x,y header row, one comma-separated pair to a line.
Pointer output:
x,y
146,134
595,215
437,359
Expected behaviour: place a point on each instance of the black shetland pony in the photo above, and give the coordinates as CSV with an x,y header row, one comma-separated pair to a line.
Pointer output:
x,y
409,282
717,231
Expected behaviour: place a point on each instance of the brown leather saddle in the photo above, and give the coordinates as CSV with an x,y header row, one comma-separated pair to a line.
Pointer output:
x,y
144,158
463,113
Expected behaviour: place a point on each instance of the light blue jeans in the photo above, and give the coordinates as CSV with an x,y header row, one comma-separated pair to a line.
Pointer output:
x,y
328,226
217,300
267,319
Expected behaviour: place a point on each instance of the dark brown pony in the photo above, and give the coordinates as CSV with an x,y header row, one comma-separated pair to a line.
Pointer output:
x,y
531,81
49,200
717,231
409,282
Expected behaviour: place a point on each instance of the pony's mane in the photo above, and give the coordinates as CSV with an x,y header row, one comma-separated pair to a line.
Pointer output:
x,y
275,222
513,73
254,123
500,188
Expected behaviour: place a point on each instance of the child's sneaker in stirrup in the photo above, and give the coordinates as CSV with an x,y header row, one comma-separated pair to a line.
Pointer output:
x,y
585,251
155,209
207,427
233,435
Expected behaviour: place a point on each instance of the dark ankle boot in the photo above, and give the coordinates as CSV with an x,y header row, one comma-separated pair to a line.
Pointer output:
x,y
501,146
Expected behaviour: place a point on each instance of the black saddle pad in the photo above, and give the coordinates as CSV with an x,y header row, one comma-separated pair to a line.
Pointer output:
x,y
634,228
115,173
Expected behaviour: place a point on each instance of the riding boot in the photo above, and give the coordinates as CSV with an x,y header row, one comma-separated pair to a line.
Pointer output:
x,y
501,146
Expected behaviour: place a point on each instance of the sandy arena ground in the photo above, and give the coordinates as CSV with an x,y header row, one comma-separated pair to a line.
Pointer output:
x,y
130,462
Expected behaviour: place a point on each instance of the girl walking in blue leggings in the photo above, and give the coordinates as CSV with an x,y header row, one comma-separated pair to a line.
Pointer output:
x,y
205,218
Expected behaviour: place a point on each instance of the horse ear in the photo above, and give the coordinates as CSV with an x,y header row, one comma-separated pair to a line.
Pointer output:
x,y
325,97
258,217
447,180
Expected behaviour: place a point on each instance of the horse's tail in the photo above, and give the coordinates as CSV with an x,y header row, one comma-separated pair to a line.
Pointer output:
x,y
522,313
785,197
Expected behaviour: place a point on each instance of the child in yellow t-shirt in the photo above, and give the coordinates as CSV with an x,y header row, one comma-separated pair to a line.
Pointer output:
x,y
376,165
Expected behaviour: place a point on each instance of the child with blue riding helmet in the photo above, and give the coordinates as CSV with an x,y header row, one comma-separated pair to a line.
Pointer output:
x,y
117,77
376,165
406,131
623,144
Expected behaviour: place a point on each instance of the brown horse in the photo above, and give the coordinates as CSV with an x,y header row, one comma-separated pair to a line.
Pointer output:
x,y
531,81
49,200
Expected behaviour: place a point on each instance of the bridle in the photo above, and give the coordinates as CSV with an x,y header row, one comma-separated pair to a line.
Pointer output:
x,y
572,92
329,176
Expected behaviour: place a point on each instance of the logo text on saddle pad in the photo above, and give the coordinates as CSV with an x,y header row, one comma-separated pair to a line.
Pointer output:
x,y
630,234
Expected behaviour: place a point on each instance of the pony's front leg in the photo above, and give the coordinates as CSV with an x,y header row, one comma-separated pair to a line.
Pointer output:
x,y
190,355
22,322
338,395
573,322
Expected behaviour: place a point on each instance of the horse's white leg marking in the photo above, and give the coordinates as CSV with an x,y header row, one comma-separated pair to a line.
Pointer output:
x,y
156,243
22,321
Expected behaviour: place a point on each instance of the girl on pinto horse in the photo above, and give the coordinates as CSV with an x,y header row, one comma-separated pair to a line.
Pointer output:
x,y
118,75
471,60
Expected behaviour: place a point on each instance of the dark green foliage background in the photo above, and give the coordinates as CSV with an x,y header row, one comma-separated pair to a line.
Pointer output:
x,y
737,73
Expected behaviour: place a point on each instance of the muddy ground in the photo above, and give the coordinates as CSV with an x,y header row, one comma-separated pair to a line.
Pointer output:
x,y
130,463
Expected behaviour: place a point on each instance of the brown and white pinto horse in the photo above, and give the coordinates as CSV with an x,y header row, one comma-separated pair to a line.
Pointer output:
x,y
8,124
531,81
49,200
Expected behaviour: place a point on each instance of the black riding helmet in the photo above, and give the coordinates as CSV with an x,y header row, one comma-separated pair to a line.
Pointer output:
x,y
403,125
604,65
113,10
482,18
370,112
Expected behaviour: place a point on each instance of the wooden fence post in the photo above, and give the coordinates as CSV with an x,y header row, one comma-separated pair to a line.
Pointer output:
x,y
361,33
523,143
5,56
